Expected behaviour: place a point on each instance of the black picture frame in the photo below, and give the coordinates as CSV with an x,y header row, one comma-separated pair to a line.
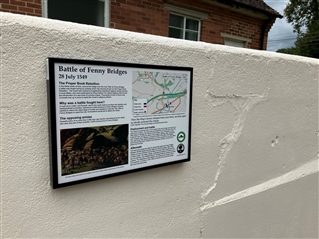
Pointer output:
x,y
66,141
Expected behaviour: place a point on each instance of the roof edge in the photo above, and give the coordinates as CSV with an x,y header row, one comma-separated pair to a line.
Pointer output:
x,y
262,7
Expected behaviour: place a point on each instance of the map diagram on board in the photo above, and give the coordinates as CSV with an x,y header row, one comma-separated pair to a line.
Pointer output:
x,y
159,92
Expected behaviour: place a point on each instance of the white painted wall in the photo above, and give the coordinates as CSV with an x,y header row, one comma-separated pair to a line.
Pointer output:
x,y
254,166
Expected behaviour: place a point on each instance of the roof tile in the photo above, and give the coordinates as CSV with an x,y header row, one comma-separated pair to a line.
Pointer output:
x,y
258,4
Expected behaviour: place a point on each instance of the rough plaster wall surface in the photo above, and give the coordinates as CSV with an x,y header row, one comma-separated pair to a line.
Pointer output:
x,y
254,166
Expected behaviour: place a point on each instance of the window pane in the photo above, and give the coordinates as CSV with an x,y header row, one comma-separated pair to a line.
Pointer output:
x,y
176,21
175,33
191,36
191,24
85,11
100,14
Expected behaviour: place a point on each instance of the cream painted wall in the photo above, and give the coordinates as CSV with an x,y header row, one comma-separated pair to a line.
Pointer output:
x,y
254,166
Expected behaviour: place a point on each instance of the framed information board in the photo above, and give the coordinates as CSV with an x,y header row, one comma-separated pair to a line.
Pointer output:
x,y
108,118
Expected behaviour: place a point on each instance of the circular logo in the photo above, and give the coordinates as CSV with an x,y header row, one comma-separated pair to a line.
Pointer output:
x,y
181,136
180,148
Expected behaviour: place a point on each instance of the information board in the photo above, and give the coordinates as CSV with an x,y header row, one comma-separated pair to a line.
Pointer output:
x,y
108,118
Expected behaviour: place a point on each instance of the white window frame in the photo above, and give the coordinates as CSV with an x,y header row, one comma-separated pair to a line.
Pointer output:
x,y
107,9
187,13
236,38
44,5
184,25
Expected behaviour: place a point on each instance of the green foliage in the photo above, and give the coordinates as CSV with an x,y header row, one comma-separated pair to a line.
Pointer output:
x,y
291,51
304,17
308,42
302,13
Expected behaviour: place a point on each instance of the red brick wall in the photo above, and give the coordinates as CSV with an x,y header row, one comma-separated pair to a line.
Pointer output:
x,y
140,16
150,16
26,7
268,25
